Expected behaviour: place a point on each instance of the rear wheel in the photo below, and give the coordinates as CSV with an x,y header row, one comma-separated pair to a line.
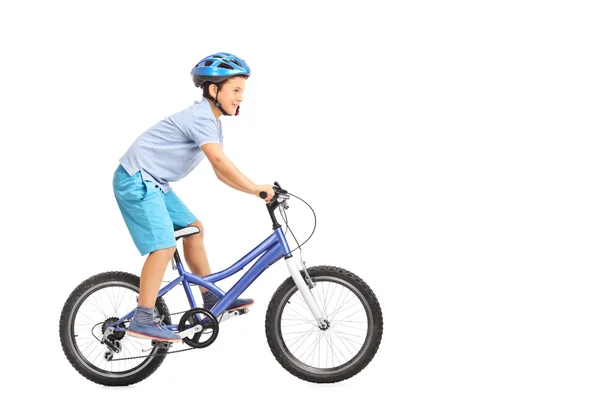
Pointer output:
x,y
345,346
95,304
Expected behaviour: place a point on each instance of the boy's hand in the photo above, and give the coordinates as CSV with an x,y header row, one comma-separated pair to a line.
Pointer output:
x,y
265,188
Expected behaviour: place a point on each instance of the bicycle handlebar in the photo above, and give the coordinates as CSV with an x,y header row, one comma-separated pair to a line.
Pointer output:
x,y
278,191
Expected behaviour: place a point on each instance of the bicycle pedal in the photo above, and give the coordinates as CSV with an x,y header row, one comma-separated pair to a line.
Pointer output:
x,y
239,311
161,345
234,313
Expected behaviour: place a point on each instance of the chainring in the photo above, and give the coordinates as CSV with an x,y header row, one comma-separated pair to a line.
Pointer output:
x,y
209,323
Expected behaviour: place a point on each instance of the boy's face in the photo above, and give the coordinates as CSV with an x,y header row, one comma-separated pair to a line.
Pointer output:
x,y
230,95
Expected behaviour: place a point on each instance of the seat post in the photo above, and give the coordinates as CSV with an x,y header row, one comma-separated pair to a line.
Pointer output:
x,y
176,256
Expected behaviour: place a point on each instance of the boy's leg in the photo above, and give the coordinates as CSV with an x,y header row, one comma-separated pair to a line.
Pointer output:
x,y
152,273
197,261
195,253
146,216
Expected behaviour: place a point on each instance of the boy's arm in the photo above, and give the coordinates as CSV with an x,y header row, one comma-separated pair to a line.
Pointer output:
x,y
229,174
228,183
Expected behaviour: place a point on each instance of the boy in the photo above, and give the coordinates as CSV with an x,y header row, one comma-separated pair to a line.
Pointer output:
x,y
165,153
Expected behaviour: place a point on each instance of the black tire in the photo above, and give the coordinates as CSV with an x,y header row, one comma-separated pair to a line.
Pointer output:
x,y
67,338
344,371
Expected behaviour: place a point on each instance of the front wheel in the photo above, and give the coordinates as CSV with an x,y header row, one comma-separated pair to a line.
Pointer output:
x,y
338,351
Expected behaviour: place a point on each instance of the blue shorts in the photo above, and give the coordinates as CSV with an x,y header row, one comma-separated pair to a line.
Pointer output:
x,y
150,215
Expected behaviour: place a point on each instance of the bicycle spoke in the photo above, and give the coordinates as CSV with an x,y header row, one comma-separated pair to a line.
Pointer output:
x,y
113,301
92,322
301,317
343,302
301,304
350,334
99,308
338,299
307,334
300,323
341,341
325,298
350,342
317,340
322,298
120,300
91,344
345,323
357,311
332,345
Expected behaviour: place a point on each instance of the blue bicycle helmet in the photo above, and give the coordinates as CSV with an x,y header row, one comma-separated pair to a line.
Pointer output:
x,y
217,68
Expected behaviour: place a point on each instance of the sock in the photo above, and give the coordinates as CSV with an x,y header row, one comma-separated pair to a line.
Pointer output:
x,y
143,315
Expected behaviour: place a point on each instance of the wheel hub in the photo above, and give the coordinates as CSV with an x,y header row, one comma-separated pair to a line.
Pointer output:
x,y
324,325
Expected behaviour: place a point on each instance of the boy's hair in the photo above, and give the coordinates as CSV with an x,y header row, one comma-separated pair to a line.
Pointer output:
x,y
206,85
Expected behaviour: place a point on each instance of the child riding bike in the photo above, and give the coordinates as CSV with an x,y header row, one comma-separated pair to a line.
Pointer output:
x,y
167,152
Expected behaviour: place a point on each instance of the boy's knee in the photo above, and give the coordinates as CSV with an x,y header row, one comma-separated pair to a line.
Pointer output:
x,y
197,236
198,224
169,251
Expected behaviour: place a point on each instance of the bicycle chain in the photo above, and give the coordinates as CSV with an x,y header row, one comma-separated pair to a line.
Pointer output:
x,y
158,355
153,355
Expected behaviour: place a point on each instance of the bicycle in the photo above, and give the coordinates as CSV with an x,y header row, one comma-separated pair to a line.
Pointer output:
x,y
95,341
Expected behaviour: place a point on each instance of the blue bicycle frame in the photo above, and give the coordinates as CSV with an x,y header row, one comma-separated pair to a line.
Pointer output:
x,y
272,249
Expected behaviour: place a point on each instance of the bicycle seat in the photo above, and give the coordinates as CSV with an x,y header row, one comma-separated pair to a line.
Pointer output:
x,y
187,231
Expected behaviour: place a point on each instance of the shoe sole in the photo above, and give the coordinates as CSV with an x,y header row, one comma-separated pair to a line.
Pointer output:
x,y
241,306
143,336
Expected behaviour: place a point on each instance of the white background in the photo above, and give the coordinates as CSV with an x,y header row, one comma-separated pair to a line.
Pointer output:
x,y
449,150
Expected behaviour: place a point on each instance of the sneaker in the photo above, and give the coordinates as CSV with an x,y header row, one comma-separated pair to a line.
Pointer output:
x,y
210,299
156,330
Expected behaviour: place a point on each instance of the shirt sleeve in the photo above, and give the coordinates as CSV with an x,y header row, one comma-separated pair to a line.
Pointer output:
x,y
202,131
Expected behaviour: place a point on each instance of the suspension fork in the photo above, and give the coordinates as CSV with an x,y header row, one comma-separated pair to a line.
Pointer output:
x,y
305,292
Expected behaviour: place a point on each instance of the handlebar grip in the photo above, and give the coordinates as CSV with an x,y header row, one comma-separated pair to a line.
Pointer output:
x,y
263,195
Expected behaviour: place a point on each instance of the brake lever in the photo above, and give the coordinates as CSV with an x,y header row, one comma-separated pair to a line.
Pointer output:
x,y
279,189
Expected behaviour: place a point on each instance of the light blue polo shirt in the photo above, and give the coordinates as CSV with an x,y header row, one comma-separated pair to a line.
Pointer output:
x,y
170,150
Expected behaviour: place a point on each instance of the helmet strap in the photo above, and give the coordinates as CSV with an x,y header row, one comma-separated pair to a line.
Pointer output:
x,y
217,104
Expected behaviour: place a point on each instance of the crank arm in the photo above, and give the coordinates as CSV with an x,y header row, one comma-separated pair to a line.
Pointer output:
x,y
191,331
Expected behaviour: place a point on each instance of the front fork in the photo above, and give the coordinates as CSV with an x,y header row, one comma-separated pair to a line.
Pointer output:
x,y
303,287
